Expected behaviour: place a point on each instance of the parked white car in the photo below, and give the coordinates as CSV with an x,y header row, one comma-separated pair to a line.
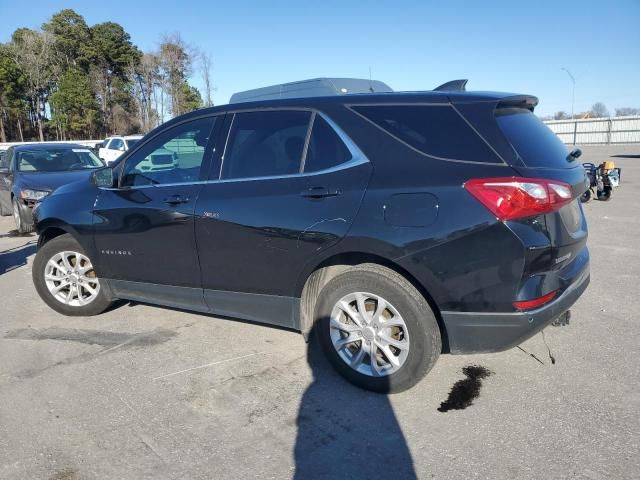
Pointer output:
x,y
115,146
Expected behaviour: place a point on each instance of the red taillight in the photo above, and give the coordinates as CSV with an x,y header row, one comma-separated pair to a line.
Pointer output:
x,y
513,197
536,302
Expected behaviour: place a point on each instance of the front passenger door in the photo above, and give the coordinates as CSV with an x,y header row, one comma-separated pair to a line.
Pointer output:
x,y
144,230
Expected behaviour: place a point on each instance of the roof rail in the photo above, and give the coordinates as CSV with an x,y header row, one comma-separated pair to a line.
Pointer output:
x,y
315,87
452,86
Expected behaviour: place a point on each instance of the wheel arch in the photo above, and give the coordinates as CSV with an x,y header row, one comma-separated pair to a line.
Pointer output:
x,y
318,276
48,233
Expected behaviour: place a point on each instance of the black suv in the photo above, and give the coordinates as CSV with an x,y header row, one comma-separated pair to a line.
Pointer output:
x,y
394,226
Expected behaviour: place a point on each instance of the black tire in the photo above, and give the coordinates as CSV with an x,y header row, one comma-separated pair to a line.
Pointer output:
x,y
605,195
586,196
3,211
18,215
60,244
423,330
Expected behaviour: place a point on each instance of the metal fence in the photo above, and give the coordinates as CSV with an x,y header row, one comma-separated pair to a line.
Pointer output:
x,y
597,130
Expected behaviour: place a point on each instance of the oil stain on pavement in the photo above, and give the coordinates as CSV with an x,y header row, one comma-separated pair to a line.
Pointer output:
x,y
94,337
464,392
111,341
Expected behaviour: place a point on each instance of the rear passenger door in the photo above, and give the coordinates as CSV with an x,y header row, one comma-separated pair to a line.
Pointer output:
x,y
287,186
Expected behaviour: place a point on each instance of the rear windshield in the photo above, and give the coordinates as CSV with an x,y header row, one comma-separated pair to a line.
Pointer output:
x,y
536,144
437,130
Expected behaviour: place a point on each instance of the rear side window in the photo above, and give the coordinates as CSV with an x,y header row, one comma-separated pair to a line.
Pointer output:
x,y
263,144
534,142
326,149
436,130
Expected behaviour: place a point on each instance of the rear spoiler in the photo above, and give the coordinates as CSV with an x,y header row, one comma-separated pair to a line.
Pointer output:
x,y
519,101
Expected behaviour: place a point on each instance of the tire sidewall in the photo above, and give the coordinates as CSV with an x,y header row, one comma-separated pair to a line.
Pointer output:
x,y
424,335
64,243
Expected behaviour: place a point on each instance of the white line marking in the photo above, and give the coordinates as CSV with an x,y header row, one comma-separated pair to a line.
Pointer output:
x,y
209,365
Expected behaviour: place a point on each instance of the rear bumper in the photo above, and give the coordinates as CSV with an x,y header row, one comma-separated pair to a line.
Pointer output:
x,y
481,332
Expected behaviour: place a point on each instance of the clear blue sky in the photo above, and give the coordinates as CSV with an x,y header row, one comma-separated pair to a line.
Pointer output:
x,y
517,46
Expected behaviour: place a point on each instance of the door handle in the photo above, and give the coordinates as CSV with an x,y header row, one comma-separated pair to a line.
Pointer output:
x,y
320,192
176,200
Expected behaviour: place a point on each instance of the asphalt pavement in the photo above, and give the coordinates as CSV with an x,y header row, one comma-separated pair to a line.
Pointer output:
x,y
148,392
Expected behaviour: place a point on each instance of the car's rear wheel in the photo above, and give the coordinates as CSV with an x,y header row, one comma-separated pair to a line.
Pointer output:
x,y
65,279
377,329
21,225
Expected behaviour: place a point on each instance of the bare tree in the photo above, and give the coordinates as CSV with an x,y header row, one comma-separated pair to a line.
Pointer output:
x,y
145,82
176,62
627,111
599,110
560,115
32,52
205,70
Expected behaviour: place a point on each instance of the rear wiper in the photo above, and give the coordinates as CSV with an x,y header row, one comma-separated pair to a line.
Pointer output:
x,y
574,154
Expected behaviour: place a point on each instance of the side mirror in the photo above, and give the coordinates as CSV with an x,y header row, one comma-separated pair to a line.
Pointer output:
x,y
103,177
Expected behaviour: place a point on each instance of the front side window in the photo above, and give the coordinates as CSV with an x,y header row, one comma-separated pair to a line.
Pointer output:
x,y
265,143
131,142
56,159
326,149
436,130
174,156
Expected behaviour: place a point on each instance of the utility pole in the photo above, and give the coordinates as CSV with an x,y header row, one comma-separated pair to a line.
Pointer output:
x,y
573,89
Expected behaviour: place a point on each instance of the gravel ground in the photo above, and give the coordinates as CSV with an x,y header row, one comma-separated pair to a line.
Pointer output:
x,y
146,392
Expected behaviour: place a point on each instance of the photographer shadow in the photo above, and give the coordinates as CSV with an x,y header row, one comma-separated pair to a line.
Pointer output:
x,y
345,432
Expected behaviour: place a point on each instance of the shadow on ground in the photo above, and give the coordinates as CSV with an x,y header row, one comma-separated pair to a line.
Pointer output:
x,y
16,257
345,432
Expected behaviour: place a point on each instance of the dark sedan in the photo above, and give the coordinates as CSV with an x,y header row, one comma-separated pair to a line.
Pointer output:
x,y
28,173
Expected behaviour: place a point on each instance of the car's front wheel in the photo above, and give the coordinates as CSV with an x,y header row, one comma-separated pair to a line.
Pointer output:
x,y
19,217
65,279
377,329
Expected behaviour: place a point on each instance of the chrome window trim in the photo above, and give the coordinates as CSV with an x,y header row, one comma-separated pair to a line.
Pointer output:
x,y
357,156
226,142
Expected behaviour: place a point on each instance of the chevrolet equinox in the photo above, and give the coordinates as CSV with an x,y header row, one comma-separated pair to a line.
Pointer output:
x,y
393,225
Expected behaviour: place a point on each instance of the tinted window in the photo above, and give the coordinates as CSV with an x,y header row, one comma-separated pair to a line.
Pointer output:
x,y
175,156
265,144
436,130
326,149
56,159
131,142
536,144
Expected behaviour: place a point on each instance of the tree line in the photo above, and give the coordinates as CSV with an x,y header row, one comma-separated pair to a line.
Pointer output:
x,y
70,80
598,110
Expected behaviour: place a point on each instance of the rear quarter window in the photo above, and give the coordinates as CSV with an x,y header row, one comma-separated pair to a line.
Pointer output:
x,y
435,130
535,143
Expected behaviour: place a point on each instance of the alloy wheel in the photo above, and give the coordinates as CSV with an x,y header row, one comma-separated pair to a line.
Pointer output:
x,y
369,334
16,216
71,279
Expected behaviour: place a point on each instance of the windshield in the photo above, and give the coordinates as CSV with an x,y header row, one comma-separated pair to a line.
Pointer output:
x,y
56,160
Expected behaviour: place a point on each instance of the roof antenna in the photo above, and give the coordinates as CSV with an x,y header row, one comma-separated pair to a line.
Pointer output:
x,y
370,84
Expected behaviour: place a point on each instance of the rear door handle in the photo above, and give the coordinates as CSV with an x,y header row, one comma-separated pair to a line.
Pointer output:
x,y
320,192
176,200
